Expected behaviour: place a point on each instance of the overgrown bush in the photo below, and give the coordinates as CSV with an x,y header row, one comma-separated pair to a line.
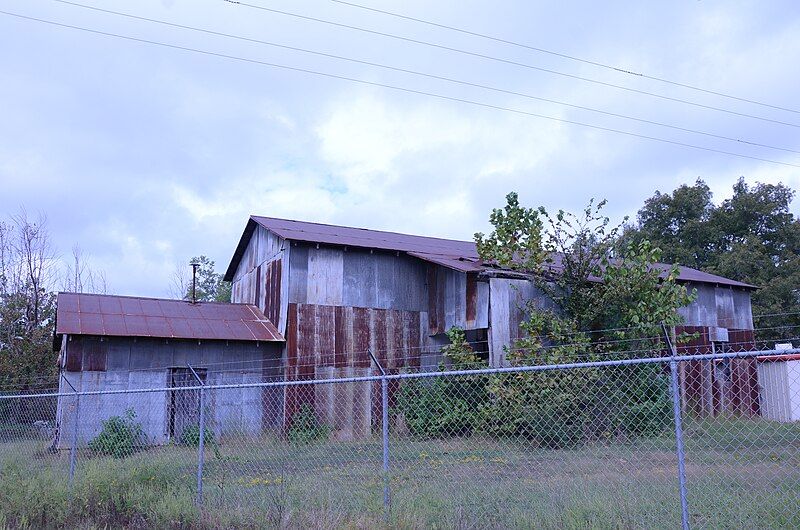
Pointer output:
x,y
191,436
446,406
638,399
121,436
306,428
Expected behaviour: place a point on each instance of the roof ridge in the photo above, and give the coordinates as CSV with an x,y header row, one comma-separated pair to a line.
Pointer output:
x,y
131,297
331,225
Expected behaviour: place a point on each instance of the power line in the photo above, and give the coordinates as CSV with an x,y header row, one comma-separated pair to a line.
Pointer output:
x,y
427,75
508,61
397,88
566,56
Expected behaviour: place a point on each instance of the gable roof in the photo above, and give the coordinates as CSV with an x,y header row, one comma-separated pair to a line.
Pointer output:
x,y
127,316
454,254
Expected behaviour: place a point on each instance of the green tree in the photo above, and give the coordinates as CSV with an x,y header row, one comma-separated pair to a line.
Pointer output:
x,y
210,286
602,298
752,237
27,303
679,224
516,240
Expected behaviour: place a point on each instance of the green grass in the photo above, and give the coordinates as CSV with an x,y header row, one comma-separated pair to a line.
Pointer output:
x,y
741,474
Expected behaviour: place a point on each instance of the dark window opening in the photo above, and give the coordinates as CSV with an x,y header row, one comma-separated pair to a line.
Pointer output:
x,y
478,339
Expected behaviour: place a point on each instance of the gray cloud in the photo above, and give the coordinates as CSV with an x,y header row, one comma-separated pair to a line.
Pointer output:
x,y
147,156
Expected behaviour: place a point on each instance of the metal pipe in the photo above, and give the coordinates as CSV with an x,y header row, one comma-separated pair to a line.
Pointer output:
x,y
676,411
201,439
676,407
387,499
73,448
419,375
194,281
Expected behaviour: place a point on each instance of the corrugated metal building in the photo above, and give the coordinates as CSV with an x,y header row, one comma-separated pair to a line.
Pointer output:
x,y
120,343
336,292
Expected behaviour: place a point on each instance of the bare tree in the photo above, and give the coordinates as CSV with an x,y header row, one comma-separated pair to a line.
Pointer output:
x,y
27,304
180,280
36,261
80,277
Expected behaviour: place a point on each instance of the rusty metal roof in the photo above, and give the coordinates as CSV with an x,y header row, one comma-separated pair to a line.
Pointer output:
x,y
458,255
125,316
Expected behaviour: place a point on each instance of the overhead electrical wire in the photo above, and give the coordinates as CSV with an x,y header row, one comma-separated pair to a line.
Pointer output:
x,y
566,56
428,75
394,87
508,61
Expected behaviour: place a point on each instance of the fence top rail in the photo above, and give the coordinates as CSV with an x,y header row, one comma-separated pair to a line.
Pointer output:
x,y
773,354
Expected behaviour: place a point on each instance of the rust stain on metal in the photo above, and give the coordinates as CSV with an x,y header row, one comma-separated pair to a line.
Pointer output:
x,y
361,336
121,316
326,328
342,336
379,335
472,299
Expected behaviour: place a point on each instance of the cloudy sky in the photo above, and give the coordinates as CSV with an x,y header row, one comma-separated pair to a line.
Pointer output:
x,y
145,155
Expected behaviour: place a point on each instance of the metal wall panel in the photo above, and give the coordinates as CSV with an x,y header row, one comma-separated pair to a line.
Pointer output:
x,y
145,363
325,276
261,277
719,306
333,342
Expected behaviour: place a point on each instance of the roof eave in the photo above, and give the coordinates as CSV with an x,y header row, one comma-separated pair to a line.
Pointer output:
x,y
249,228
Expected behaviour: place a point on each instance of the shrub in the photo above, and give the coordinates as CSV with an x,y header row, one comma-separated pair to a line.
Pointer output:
x,y
191,436
306,428
548,409
121,436
446,406
639,399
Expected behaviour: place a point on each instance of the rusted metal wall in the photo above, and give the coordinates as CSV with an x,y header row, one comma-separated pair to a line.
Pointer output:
x,y
720,387
456,299
262,278
356,278
324,341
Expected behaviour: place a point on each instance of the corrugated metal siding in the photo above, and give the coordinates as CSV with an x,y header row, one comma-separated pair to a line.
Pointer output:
x,y
261,279
718,306
120,363
356,278
780,390
332,342
507,310
456,299
712,388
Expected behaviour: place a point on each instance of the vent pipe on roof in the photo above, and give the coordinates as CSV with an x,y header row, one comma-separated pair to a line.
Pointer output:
x,y
195,266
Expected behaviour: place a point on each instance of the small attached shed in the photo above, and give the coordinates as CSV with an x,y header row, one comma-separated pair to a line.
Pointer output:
x,y
779,381
109,343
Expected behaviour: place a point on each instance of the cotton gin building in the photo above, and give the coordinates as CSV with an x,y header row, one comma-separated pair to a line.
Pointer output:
x,y
109,343
337,293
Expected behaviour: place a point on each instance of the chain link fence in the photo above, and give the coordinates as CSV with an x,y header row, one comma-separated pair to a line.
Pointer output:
x,y
701,439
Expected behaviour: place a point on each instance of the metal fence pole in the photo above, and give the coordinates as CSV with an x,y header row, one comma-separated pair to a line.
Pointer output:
x,y
73,446
387,501
676,410
387,494
201,438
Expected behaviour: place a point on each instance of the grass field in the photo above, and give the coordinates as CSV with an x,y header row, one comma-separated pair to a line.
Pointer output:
x,y
741,474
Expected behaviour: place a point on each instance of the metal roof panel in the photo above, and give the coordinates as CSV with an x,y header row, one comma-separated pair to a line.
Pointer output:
x,y
459,255
90,314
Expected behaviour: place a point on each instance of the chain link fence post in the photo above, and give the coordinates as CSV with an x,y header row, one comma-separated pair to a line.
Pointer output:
x,y
73,446
676,411
387,493
201,438
387,501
